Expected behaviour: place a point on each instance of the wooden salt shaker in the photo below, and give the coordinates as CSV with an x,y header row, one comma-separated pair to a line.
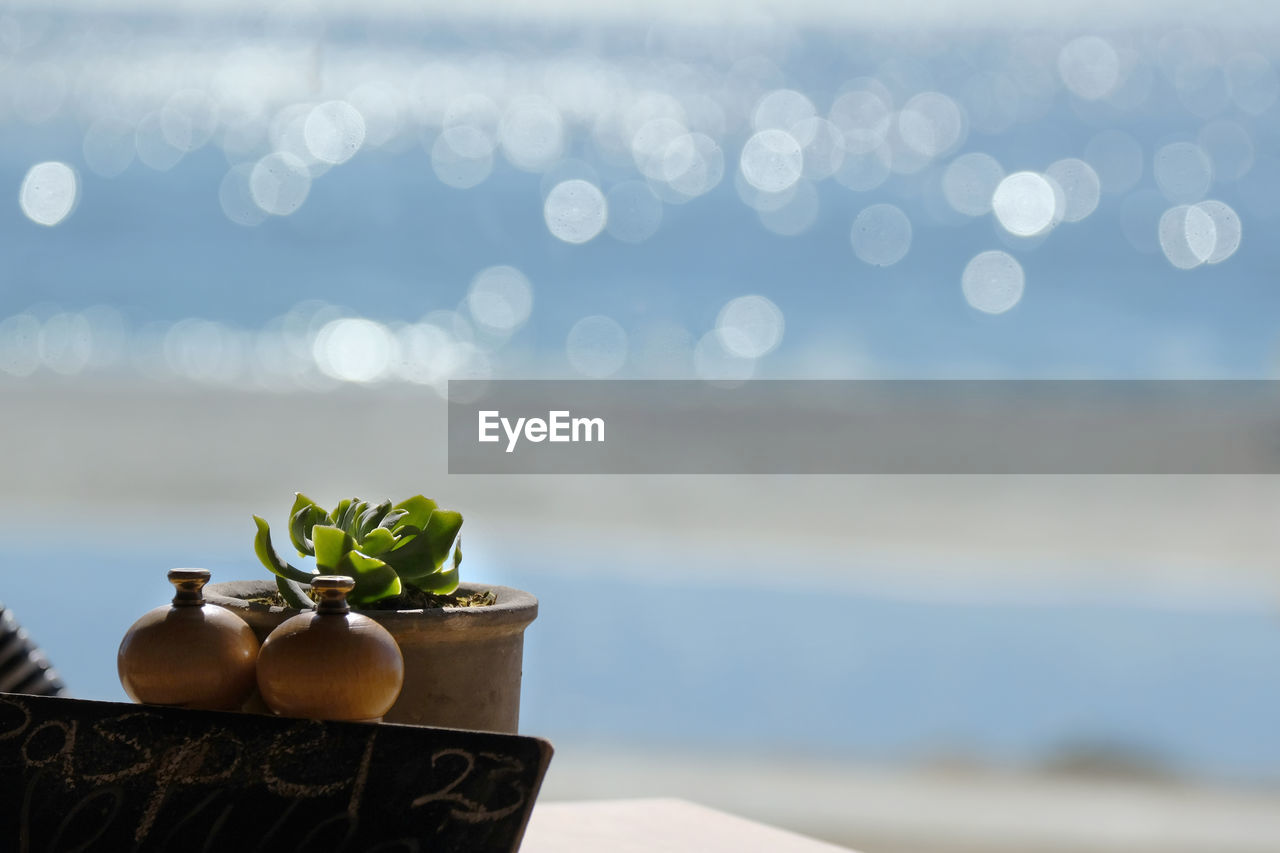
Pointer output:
x,y
188,655
331,664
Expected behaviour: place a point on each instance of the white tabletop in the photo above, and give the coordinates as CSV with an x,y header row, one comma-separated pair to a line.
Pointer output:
x,y
655,826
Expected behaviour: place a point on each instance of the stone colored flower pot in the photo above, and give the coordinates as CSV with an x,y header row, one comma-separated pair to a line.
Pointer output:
x,y
462,666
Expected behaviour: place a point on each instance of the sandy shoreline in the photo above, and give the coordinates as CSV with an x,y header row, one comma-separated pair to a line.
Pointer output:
x,y
163,448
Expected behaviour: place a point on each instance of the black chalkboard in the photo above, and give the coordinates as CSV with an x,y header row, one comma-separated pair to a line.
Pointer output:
x,y
87,776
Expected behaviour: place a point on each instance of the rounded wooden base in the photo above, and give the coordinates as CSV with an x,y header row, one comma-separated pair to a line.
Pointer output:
x,y
330,666
189,657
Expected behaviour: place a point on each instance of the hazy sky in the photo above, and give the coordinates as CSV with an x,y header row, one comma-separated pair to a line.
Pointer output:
x,y
1230,14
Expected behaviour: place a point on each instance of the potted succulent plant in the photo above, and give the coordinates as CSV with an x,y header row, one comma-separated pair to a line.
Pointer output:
x,y
462,643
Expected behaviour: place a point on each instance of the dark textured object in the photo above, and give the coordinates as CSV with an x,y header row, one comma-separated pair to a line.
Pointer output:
x,y
23,667
81,775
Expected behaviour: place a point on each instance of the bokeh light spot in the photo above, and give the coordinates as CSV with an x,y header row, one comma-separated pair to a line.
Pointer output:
x,y
931,124
782,109
20,345
596,346
823,147
749,326
236,198
203,350
992,282
500,298
970,181
1025,204
772,160
188,119
863,116
279,183
1089,67
66,343
109,146
692,165
461,157
334,131
476,112
48,192
532,134
353,349
1226,229
1080,187
881,235
153,147
1187,236
576,211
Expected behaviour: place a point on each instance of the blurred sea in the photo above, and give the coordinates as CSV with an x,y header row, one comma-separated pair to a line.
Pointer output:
x,y
265,178
1032,675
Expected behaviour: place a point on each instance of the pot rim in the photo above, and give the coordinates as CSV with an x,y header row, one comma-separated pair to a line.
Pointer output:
x,y
512,606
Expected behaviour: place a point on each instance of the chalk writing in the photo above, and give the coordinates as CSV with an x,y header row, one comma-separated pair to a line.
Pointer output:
x,y
117,731
14,719
82,776
184,765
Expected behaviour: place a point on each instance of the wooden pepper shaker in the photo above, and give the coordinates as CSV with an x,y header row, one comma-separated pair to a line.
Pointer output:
x,y
188,655
331,664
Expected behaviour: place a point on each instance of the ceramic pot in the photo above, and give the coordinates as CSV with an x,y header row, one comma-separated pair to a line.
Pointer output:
x,y
462,666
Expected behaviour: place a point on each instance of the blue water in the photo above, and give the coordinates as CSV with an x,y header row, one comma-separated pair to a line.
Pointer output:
x,y
820,668
383,237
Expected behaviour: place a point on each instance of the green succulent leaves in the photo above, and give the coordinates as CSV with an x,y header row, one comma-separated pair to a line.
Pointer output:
x,y
380,546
